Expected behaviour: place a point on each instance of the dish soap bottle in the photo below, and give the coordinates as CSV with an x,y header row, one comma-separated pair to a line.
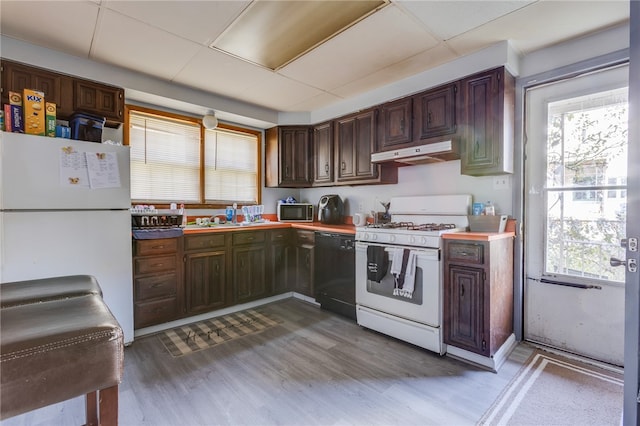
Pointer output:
x,y
489,209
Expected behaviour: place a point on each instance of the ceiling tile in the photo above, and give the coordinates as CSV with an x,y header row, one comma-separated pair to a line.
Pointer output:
x,y
446,19
382,39
217,72
279,92
50,24
525,32
199,21
131,44
314,103
398,71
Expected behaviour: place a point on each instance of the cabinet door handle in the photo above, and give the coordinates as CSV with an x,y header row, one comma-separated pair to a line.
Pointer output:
x,y
429,117
344,165
326,167
476,147
402,126
461,291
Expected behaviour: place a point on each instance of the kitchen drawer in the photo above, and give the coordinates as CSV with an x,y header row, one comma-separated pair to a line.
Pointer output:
x,y
149,265
156,312
153,247
464,252
305,237
252,237
156,286
280,234
199,242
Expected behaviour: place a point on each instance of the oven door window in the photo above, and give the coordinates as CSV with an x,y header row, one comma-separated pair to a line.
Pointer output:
x,y
387,284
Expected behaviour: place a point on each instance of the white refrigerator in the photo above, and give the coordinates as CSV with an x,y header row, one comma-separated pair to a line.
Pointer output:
x,y
64,210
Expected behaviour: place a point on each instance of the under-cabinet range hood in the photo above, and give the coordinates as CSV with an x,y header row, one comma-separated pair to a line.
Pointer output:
x,y
422,154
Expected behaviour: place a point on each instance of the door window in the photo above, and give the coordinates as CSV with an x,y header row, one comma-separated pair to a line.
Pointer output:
x,y
585,191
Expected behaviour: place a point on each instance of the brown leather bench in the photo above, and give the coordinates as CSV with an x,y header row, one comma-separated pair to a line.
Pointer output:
x,y
58,340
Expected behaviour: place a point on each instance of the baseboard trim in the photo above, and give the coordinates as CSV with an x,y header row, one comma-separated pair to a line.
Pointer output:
x,y
231,309
492,363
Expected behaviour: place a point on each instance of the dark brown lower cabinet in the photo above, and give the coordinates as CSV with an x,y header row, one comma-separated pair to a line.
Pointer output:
x,y
206,281
304,254
280,261
478,294
249,266
157,282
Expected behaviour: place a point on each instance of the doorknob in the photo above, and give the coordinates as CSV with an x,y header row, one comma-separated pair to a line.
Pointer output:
x,y
632,264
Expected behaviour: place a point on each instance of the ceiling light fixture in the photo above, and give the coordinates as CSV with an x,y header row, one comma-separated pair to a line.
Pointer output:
x,y
210,121
274,33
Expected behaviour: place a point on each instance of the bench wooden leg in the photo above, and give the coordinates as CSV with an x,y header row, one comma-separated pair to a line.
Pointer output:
x,y
108,398
107,410
91,400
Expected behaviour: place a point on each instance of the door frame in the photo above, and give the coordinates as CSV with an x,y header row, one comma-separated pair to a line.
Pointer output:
x,y
632,289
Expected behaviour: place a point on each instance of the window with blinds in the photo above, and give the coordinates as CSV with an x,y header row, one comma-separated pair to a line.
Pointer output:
x,y
171,163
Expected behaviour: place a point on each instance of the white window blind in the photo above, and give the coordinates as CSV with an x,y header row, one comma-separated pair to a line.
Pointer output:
x,y
231,167
166,165
165,159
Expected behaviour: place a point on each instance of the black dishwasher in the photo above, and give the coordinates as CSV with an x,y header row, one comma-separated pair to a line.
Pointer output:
x,y
334,273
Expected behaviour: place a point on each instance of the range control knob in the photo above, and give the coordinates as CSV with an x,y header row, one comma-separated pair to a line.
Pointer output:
x,y
392,238
423,241
412,239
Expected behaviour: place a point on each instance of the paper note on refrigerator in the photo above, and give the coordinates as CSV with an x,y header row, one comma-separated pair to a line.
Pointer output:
x,y
73,168
103,170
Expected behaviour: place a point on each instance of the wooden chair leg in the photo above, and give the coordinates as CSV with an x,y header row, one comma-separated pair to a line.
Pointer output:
x,y
91,400
108,406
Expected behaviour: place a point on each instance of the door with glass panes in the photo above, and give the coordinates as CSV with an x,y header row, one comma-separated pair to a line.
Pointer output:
x,y
575,213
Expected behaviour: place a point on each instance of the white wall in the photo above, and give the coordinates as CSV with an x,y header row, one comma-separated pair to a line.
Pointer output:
x,y
424,179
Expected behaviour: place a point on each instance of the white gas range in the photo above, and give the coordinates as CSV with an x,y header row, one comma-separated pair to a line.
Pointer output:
x,y
399,268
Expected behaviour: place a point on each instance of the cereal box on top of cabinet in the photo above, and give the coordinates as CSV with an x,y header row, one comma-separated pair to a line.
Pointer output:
x,y
51,119
13,113
34,112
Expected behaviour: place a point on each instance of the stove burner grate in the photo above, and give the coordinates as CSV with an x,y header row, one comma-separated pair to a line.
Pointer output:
x,y
410,226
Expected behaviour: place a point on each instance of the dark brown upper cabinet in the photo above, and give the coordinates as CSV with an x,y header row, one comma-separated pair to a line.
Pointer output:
x,y
287,157
355,141
323,154
488,99
436,113
100,99
70,94
395,121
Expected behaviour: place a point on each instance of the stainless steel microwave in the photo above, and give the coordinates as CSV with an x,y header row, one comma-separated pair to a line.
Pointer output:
x,y
295,212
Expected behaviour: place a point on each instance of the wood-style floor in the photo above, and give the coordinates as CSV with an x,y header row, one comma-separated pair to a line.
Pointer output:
x,y
316,368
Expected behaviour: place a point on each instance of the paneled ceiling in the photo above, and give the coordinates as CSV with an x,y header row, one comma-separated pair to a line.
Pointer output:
x,y
171,40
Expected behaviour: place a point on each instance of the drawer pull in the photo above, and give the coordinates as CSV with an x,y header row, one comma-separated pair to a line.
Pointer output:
x,y
158,247
159,264
157,285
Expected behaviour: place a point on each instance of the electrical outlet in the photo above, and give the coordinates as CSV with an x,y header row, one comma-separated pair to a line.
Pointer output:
x,y
502,182
360,207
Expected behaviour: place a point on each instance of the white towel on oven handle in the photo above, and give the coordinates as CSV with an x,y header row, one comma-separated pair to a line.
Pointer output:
x,y
409,273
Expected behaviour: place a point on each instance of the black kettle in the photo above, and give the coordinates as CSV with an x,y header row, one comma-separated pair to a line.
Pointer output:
x,y
331,209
